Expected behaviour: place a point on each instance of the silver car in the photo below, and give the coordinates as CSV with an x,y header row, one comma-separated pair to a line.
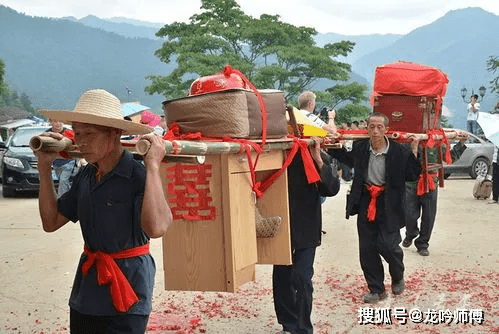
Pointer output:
x,y
475,160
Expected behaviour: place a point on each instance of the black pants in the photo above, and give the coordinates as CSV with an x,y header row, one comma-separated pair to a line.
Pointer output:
x,y
495,181
375,241
293,289
424,206
119,324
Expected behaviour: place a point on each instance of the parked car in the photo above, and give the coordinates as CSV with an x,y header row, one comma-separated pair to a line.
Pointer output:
x,y
3,148
18,166
475,160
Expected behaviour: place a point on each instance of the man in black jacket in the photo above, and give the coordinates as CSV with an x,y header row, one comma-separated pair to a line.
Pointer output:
x,y
292,285
381,168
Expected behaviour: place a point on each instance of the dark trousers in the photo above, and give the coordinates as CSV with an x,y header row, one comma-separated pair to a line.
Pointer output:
x,y
495,181
375,241
119,324
292,287
472,126
420,206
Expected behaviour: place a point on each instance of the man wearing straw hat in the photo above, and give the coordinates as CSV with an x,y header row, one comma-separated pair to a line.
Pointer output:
x,y
120,205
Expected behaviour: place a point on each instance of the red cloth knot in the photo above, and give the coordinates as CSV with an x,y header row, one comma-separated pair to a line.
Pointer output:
x,y
108,273
374,191
421,185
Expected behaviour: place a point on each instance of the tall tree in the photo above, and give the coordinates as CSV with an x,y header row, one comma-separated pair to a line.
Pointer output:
x,y
493,66
352,112
338,96
271,53
3,85
26,103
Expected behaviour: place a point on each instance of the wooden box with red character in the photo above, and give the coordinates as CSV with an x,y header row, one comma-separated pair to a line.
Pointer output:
x,y
214,242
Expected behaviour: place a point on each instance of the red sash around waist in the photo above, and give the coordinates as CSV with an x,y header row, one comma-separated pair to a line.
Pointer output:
x,y
374,191
110,274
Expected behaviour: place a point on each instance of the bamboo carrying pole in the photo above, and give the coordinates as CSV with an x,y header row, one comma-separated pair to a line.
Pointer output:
x,y
178,150
49,144
186,147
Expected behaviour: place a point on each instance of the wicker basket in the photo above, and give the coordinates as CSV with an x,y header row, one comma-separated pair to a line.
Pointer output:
x,y
266,227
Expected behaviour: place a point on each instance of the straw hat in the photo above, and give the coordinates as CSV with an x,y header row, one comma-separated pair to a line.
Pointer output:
x,y
98,107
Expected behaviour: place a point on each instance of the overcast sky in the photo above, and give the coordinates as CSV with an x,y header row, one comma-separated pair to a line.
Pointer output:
x,y
349,17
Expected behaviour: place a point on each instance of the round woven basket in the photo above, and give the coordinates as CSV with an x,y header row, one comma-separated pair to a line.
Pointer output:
x,y
266,227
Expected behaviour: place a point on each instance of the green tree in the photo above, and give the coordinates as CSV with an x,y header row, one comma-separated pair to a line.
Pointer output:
x,y
271,53
12,98
3,86
26,103
352,112
493,66
445,122
339,95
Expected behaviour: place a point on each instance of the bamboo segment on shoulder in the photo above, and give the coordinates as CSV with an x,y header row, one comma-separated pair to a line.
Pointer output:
x,y
49,144
187,147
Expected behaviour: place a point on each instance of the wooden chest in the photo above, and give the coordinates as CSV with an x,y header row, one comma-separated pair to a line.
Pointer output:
x,y
415,114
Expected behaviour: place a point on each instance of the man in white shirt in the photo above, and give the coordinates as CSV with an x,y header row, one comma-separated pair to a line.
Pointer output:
x,y
306,104
471,120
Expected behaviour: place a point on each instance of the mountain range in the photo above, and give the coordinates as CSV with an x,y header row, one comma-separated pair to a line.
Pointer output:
x,y
54,60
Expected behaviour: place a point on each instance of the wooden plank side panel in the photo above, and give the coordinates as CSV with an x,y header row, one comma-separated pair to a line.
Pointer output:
x,y
275,250
267,161
244,275
242,215
240,233
193,251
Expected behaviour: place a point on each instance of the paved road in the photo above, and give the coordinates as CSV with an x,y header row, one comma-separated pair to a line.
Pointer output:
x,y
37,268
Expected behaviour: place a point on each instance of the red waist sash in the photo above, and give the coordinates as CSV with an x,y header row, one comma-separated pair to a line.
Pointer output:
x,y
374,191
110,274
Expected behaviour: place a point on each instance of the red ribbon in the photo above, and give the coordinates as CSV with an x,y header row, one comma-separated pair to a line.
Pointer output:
x,y
259,187
374,191
431,143
108,273
71,135
308,164
421,185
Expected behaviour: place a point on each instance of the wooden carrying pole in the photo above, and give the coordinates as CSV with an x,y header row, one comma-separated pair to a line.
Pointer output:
x,y
49,144
187,147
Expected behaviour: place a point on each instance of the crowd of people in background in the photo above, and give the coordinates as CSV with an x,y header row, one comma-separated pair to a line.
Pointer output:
x,y
354,125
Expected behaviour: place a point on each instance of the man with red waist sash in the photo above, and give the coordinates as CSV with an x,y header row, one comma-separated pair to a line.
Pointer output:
x,y
382,167
119,204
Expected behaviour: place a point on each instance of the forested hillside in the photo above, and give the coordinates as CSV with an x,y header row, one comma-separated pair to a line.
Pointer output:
x,y
54,61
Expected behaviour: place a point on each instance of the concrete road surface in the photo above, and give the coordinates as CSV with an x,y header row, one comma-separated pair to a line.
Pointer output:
x,y
37,271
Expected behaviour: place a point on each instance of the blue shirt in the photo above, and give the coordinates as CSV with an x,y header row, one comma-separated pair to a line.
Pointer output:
x,y
109,215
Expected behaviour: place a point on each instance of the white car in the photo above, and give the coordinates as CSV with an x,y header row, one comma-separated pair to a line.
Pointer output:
x,y
475,160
